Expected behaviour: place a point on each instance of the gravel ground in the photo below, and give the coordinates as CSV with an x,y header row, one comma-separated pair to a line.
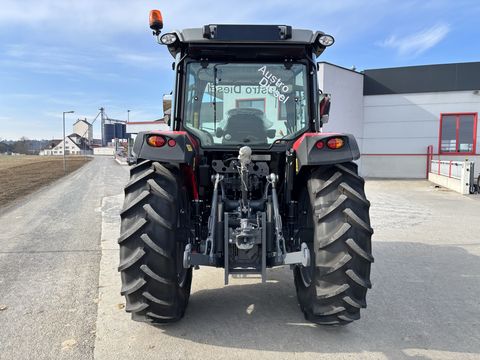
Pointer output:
x,y
59,287
49,262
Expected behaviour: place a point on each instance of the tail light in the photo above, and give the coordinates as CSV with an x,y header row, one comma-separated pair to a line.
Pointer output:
x,y
156,141
332,143
335,143
171,142
320,145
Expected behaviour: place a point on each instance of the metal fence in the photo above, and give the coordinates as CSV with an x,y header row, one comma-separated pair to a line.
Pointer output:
x,y
451,169
455,175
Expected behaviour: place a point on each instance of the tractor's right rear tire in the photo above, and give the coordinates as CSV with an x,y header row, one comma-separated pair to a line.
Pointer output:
x,y
334,221
154,282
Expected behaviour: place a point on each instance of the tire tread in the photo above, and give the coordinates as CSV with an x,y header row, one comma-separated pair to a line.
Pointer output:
x,y
342,245
149,245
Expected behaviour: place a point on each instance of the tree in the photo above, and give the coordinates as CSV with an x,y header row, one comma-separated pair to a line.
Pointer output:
x,y
4,147
22,146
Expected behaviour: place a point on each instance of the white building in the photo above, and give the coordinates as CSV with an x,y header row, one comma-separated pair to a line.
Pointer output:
x,y
396,114
74,145
84,129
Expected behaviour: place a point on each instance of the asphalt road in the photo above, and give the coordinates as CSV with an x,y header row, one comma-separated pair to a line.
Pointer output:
x,y
49,265
424,303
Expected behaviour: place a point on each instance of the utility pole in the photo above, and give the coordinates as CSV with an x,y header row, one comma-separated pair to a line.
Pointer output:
x,y
102,118
64,158
128,138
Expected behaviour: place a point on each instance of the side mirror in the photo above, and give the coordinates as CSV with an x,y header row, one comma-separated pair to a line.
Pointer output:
x,y
271,133
324,107
167,107
219,132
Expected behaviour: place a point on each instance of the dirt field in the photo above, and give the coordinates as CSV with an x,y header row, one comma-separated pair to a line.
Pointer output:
x,y
21,175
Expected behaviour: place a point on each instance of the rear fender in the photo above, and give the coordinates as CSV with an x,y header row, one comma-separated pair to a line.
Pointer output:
x,y
309,155
183,152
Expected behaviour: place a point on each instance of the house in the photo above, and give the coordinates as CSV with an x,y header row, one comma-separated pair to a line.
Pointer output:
x,y
74,145
48,149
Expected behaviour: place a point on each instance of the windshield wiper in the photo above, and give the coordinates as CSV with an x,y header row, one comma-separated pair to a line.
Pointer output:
x,y
215,70
215,98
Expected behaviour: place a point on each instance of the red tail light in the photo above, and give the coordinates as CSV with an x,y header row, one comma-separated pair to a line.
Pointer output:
x,y
320,145
335,143
171,142
156,141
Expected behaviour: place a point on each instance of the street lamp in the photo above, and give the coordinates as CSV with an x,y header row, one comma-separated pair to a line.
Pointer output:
x,y
128,138
64,159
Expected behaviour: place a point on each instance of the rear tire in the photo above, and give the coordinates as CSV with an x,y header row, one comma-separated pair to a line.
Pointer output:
x,y
155,284
334,216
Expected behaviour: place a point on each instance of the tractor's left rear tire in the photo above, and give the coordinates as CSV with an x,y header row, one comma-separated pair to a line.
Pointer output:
x,y
155,284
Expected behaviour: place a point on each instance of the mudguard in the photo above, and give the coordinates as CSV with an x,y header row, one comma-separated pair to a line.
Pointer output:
x,y
180,151
308,154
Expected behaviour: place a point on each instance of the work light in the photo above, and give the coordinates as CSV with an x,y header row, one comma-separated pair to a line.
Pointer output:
x,y
326,40
168,39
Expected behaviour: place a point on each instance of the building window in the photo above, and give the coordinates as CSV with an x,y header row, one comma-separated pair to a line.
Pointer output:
x,y
458,133
252,103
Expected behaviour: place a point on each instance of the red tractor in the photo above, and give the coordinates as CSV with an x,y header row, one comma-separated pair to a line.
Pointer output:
x,y
245,180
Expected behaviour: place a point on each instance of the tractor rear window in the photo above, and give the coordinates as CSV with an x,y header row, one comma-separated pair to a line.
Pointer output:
x,y
244,103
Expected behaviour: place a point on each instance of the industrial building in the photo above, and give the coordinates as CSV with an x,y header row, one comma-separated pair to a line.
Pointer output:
x,y
398,114
113,131
84,129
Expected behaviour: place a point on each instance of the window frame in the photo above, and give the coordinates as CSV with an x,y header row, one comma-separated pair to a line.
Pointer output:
x,y
457,128
264,99
280,112
311,96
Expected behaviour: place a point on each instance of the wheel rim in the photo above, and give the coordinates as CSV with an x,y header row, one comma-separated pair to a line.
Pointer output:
x,y
306,273
305,219
181,271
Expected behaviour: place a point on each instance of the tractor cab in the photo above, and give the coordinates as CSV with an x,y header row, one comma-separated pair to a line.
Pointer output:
x,y
240,85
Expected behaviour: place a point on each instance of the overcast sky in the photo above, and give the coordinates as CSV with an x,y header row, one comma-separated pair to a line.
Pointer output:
x,y
58,55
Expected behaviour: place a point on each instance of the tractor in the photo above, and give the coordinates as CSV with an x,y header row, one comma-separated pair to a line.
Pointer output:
x,y
245,179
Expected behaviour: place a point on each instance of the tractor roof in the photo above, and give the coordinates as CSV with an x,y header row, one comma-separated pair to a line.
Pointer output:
x,y
255,36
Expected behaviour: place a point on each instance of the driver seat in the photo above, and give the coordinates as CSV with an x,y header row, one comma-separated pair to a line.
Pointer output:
x,y
245,124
